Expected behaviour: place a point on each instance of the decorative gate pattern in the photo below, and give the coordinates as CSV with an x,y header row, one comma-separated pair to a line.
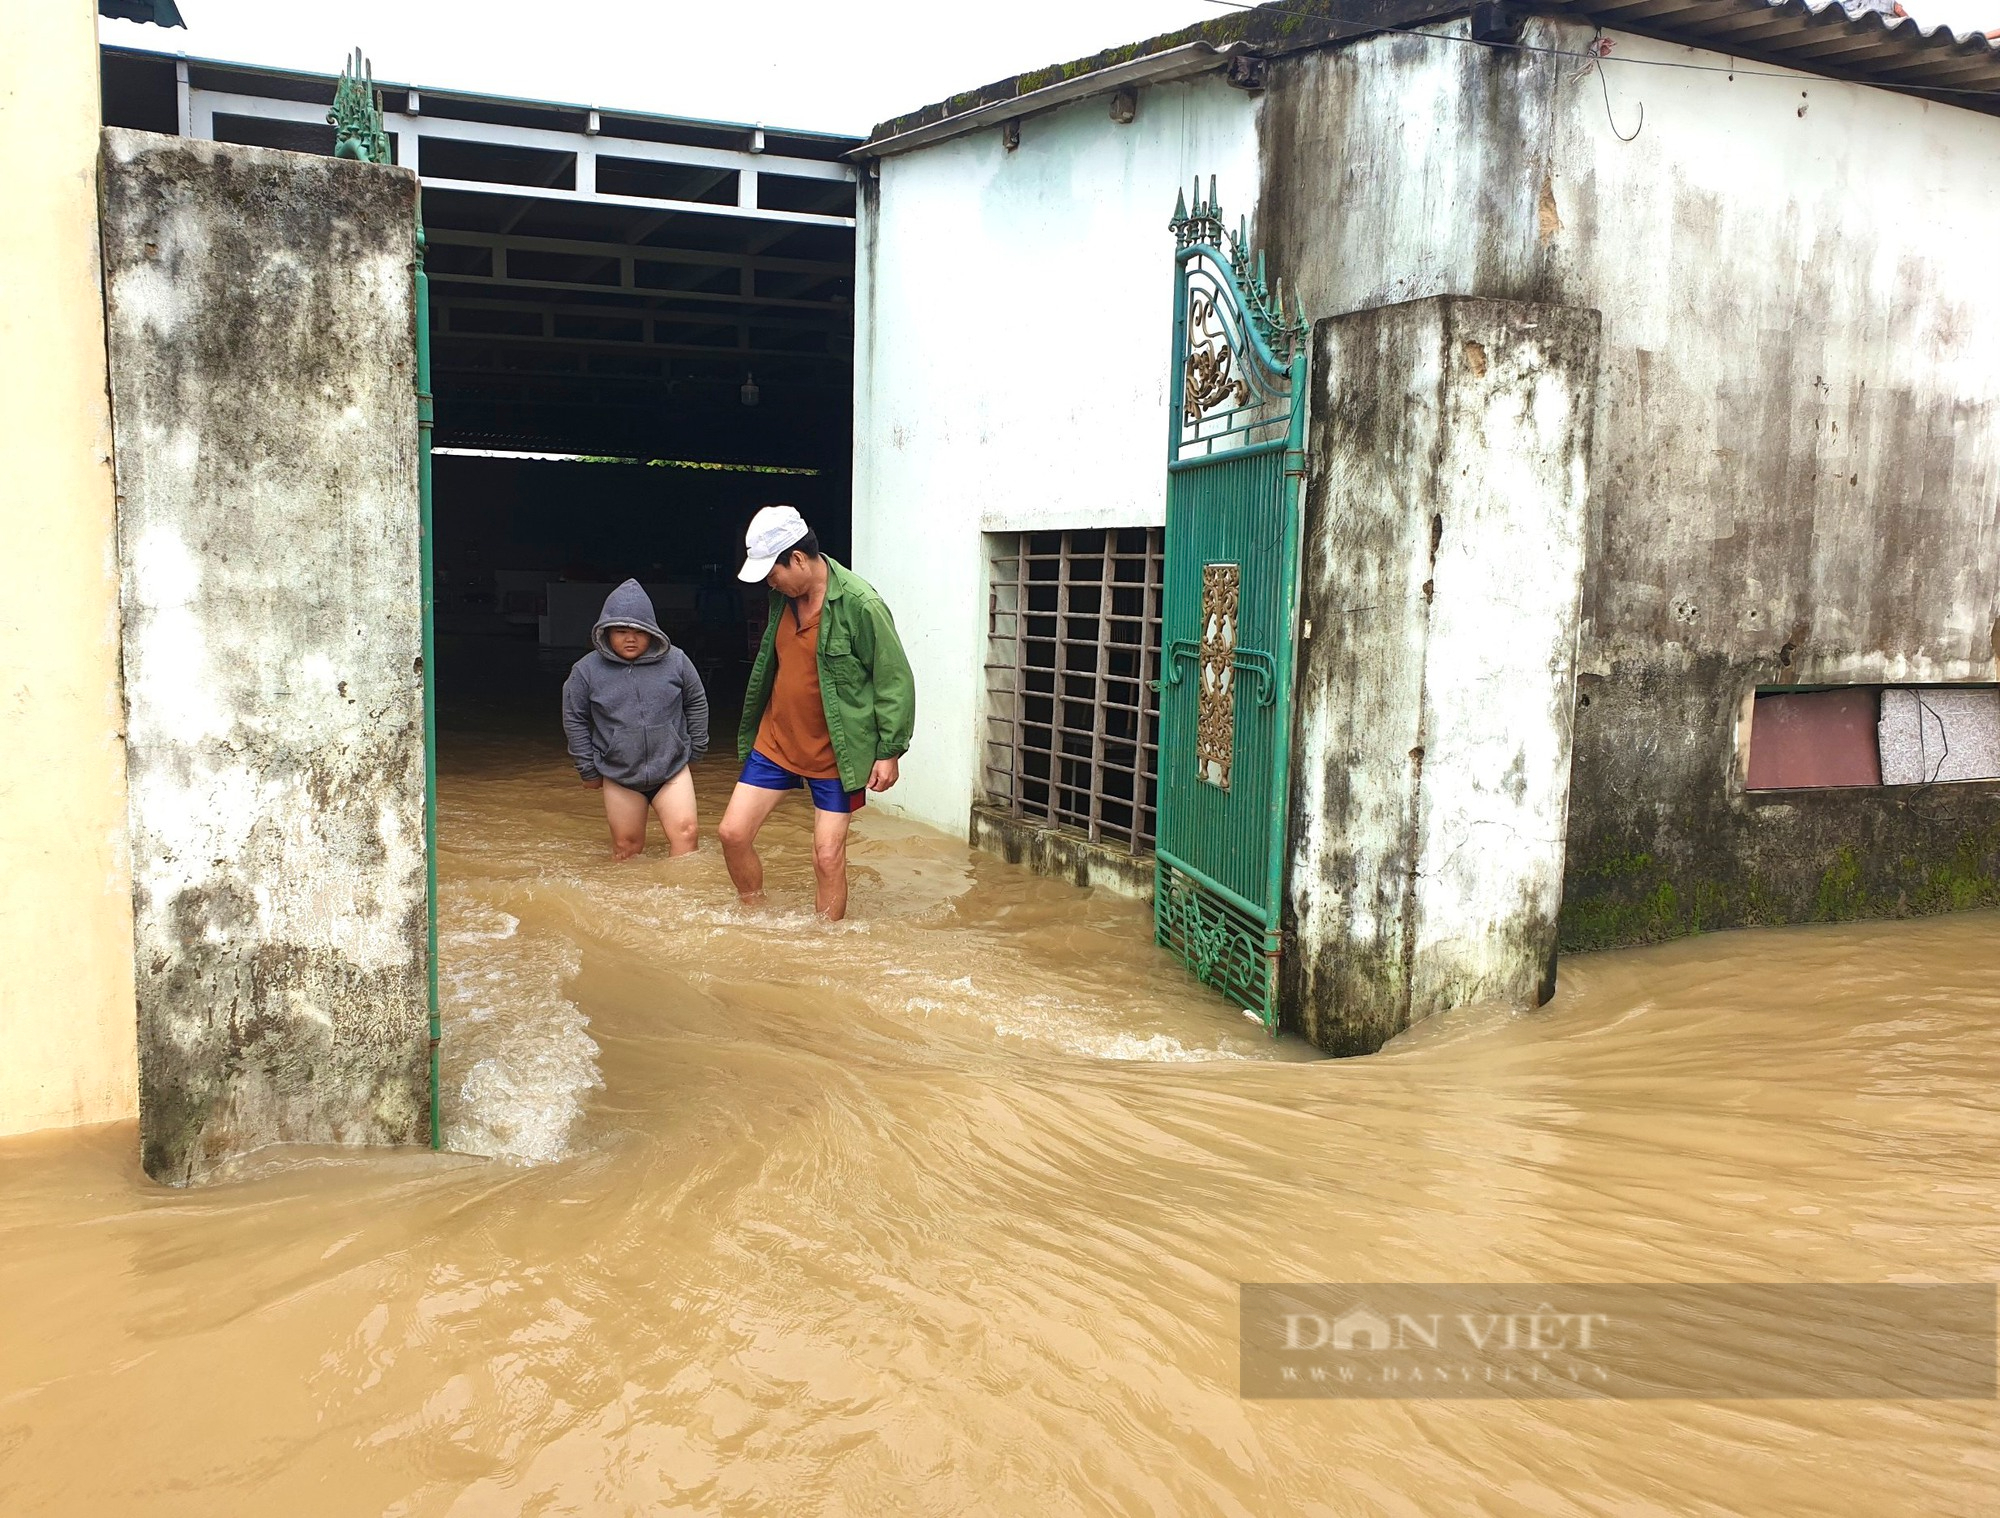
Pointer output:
x,y
1215,722
1235,456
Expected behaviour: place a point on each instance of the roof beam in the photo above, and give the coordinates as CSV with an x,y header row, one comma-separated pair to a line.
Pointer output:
x,y
639,202
546,139
1944,72
647,293
1838,41
582,181
605,345
829,269
1744,26
736,321
1616,12
571,379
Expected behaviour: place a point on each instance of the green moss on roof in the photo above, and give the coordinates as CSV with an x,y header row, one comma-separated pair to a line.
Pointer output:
x,y
1283,26
1912,59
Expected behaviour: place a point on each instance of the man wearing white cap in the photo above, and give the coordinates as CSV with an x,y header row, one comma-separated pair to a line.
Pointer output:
x,y
830,707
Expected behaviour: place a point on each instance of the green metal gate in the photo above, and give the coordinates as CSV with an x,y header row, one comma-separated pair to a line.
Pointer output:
x,y
356,119
1235,458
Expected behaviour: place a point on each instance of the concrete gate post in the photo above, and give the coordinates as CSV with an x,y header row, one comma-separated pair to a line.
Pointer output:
x,y
1448,484
260,309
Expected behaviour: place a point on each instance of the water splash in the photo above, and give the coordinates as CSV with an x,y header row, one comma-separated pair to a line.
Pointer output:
x,y
518,1056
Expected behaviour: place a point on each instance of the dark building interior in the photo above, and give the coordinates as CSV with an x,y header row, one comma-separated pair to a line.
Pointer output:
x,y
641,331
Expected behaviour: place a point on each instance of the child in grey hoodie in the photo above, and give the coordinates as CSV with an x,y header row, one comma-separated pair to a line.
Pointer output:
x,y
636,717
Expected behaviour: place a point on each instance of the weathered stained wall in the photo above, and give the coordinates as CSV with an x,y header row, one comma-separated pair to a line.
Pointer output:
x,y
1013,316
65,895
1796,457
1447,494
259,308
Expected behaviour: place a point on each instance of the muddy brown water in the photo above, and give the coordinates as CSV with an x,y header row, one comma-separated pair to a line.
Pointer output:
x,y
943,1210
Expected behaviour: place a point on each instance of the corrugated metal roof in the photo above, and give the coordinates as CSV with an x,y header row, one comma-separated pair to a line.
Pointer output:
x,y
1826,37
1855,42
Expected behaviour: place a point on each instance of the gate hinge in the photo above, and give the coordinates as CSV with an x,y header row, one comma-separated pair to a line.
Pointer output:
x,y
1295,463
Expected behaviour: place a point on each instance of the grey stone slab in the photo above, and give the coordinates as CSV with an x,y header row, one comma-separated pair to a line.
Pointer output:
x,y
1931,734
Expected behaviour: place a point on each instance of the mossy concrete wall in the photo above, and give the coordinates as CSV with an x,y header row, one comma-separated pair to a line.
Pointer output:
x,y
1797,449
1060,854
259,308
1699,851
1447,486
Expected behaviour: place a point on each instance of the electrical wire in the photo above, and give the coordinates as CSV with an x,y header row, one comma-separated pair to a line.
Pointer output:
x,y
1599,50
1368,29
1925,709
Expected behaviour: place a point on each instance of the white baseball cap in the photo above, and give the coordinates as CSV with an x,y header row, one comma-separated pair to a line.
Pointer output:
x,y
771,532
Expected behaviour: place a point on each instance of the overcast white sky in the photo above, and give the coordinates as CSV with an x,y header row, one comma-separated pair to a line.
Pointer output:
x,y
820,64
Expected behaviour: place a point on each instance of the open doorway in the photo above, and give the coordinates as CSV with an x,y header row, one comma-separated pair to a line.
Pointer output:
x,y
619,387
641,329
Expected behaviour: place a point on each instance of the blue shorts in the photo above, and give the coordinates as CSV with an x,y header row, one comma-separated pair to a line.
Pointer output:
x,y
827,794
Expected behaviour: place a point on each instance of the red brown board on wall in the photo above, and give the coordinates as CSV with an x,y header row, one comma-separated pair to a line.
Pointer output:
x,y
1809,739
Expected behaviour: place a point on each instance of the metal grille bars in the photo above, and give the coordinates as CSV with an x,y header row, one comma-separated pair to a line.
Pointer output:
x,y
1073,727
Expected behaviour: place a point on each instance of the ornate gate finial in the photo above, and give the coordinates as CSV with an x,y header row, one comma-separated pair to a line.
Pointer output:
x,y
1201,226
356,117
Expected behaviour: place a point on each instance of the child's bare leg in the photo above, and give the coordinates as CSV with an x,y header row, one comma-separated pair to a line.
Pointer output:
x,y
675,804
749,806
625,811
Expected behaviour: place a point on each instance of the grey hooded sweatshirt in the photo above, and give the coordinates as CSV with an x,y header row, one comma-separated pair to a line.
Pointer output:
x,y
638,722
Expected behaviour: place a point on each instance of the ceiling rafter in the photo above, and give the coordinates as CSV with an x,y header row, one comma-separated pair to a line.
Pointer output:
x,y
644,297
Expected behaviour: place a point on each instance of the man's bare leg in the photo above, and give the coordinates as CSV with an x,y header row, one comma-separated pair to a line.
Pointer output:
x,y
749,807
625,811
675,805
830,863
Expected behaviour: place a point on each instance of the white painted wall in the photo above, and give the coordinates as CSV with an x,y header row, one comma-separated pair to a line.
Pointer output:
x,y
1797,341
1014,315
1800,386
66,894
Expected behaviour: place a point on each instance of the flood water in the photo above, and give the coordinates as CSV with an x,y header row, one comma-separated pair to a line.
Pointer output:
x,y
943,1210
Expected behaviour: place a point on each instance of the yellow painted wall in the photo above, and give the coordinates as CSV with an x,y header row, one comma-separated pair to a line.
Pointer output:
x,y
67,1025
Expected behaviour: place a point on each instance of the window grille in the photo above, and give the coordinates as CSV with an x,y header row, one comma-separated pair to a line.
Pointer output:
x,y
1073,718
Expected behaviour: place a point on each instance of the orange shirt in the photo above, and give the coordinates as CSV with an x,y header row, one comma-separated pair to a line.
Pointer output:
x,y
793,733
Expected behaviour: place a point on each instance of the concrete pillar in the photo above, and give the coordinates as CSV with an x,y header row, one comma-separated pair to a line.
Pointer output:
x,y
65,894
260,317
1444,540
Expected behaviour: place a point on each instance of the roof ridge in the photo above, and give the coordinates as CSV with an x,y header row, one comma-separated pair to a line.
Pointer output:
x,y
1273,28
1286,26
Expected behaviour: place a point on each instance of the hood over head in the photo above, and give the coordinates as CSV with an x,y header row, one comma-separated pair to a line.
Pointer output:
x,y
629,606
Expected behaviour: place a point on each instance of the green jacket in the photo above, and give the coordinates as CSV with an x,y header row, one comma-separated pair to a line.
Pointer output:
x,y
865,683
